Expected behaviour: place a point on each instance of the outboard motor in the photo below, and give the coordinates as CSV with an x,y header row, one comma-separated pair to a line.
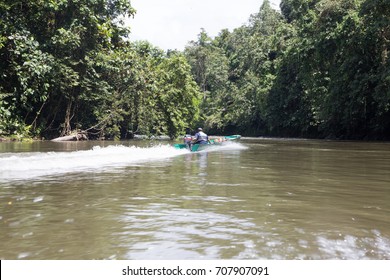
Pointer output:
x,y
187,140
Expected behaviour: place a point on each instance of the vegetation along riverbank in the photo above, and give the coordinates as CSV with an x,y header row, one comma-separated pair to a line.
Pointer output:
x,y
316,68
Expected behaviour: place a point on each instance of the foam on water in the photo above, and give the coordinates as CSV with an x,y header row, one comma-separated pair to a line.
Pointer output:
x,y
23,166
350,247
226,146
30,165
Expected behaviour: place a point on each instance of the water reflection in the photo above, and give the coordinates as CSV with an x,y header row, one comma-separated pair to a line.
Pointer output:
x,y
164,230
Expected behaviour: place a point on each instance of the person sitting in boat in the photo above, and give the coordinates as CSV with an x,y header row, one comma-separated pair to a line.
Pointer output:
x,y
200,137
188,138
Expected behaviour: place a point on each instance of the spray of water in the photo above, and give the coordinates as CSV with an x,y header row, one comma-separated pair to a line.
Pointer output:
x,y
22,166
30,165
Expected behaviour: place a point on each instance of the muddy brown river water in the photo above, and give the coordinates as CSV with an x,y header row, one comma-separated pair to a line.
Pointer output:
x,y
256,199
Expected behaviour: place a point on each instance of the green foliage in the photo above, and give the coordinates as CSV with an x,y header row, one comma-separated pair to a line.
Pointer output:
x,y
177,97
141,91
67,65
235,71
318,68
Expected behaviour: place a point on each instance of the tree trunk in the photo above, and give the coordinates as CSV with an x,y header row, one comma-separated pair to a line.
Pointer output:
x,y
79,136
67,127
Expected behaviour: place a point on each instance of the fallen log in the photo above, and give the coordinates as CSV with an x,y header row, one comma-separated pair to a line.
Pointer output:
x,y
74,137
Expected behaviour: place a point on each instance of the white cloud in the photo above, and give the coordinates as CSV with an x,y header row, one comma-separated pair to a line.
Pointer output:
x,y
171,24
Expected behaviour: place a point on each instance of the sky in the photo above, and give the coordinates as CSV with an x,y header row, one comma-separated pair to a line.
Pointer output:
x,y
171,24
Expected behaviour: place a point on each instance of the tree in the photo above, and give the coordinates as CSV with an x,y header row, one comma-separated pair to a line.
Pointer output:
x,y
177,97
210,69
45,49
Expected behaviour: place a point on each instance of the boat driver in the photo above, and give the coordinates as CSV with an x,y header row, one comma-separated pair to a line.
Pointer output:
x,y
200,137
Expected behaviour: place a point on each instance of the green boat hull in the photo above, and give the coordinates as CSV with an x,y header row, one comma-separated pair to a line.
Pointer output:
x,y
212,142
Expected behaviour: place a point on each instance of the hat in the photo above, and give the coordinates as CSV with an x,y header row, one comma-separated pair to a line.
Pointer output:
x,y
200,129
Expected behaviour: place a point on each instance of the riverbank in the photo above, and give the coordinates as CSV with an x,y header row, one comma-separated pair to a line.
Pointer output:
x,y
17,139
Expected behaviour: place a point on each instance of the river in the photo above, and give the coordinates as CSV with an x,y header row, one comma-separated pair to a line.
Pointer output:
x,y
256,199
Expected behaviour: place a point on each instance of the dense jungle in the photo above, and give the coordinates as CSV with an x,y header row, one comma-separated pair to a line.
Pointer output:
x,y
314,69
